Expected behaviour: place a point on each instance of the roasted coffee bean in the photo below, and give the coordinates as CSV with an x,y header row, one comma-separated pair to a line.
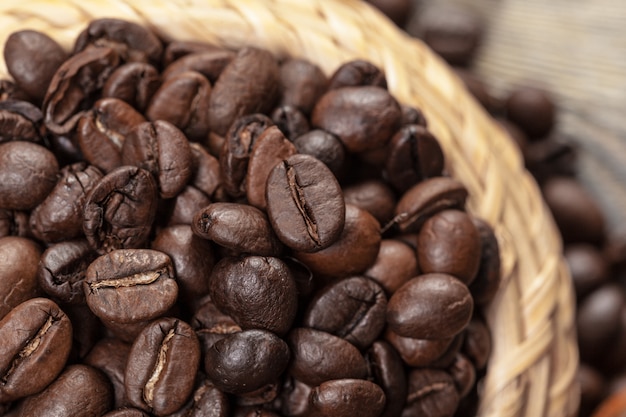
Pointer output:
x,y
319,356
358,305
395,264
162,366
347,397
413,116
363,118
126,412
75,86
102,131
446,360
193,259
588,268
270,149
477,343
236,150
60,216
207,176
62,269
10,91
210,324
176,49
130,285
464,374
182,208
427,198
480,90
388,372
205,401
294,398
110,356
414,154
32,58
134,83
324,146
120,209
301,84
209,63
248,84
374,196
133,42
183,100
418,352
359,241
80,391
163,150
532,109
28,172
36,340
257,292
449,243
19,258
20,120
15,223
430,306
432,393
357,73
238,227
550,157
260,397
304,204
87,329
246,361
487,281
291,121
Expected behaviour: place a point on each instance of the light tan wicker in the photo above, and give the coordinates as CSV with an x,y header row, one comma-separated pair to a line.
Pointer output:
x,y
532,371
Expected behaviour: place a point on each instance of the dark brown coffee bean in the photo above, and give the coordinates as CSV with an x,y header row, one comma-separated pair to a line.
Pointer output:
x,y
28,172
463,373
532,109
446,360
347,397
80,391
293,399
205,401
193,259
20,120
239,227
248,84
487,281
15,223
102,131
258,292
181,209
176,49
449,243
414,154
260,397
235,153
477,343
62,270
588,268
75,86
305,204
134,83
120,209
374,196
357,73
246,361
207,176
60,216
413,116
183,100
388,372
363,118
432,393
126,412
430,306
359,241
270,149
395,264
210,63
359,306
162,366
19,258
163,150
110,356
479,89
36,340
418,352
291,121
427,198
32,58
132,41
130,285
302,83
210,324
324,146
553,156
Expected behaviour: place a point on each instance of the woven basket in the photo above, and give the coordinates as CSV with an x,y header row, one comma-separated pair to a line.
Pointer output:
x,y
532,371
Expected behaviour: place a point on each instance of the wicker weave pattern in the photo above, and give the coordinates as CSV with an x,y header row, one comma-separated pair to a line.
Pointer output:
x,y
532,370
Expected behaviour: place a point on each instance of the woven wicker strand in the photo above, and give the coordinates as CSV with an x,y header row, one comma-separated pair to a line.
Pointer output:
x,y
533,366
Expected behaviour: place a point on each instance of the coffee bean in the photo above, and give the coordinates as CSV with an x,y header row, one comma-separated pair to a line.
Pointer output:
x,y
19,258
110,356
28,172
245,361
399,11
207,175
388,372
357,73
593,388
10,91
588,268
134,83
431,392
87,329
374,196
304,204
210,63
413,116
418,352
477,343
210,324
487,281
126,412
120,209
205,401
20,120
260,397
395,264
291,121
294,398
430,306
324,146
463,373
162,366
347,397
130,285
301,84
532,109
181,209
36,340
15,223
176,49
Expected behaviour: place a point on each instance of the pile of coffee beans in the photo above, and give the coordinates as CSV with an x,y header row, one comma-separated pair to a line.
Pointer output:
x,y
187,230
596,258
